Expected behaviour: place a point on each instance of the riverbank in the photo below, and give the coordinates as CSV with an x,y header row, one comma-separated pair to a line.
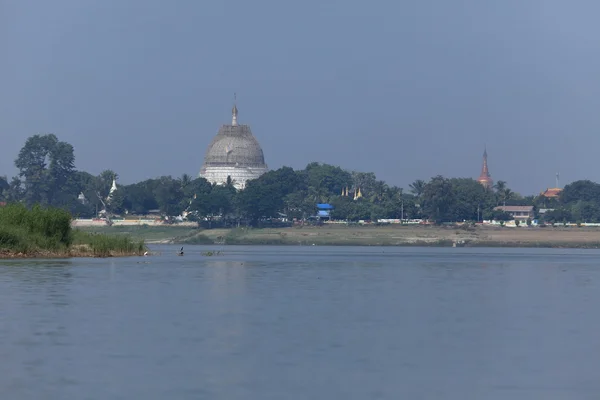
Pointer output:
x,y
47,233
391,235
84,245
411,236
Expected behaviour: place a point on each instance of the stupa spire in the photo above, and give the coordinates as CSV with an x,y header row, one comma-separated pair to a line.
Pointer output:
x,y
484,168
234,111
485,178
112,190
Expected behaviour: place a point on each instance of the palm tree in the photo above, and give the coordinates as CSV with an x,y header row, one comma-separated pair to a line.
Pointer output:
x,y
379,192
417,188
500,186
318,195
507,194
394,193
185,180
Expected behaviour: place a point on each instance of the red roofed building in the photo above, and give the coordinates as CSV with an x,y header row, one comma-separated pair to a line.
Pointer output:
x,y
551,193
2,203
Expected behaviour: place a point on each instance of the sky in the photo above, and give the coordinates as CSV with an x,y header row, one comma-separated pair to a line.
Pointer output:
x,y
405,89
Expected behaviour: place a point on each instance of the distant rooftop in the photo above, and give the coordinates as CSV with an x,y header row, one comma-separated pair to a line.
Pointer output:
x,y
551,193
324,206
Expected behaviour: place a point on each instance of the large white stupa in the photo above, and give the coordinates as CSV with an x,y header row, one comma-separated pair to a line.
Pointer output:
x,y
234,153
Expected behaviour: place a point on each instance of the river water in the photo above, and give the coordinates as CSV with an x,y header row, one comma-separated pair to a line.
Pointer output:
x,y
303,323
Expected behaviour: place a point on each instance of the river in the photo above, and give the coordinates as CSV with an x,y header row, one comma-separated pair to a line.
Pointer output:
x,y
303,323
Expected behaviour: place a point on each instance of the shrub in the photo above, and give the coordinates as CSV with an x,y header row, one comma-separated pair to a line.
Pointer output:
x,y
106,245
24,230
48,228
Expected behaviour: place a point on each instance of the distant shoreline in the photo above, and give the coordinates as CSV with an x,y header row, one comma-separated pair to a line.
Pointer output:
x,y
389,235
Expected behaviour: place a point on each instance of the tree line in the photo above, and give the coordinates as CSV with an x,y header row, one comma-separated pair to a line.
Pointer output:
x,y
48,177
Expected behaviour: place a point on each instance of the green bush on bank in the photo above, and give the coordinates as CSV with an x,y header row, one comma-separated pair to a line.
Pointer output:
x,y
27,231
23,229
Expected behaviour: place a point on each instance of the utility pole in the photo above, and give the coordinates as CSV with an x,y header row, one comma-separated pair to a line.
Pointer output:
x,y
402,213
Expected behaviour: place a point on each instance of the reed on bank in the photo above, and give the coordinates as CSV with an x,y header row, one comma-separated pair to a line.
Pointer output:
x,y
106,245
39,231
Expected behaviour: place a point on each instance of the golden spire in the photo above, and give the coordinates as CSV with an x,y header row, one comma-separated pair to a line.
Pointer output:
x,y
485,178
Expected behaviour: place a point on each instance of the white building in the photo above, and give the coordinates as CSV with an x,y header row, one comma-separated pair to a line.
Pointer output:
x,y
234,152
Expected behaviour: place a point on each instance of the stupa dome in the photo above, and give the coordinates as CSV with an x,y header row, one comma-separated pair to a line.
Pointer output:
x,y
234,152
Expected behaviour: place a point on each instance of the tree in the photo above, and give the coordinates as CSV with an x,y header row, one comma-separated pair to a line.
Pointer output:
x,y
470,198
103,183
438,199
298,205
4,187
140,197
185,180
326,180
15,191
583,190
62,175
221,200
169,195
417,188
585,211
47,167
498,215
366,182
558,215
506,194
258,201
500,186
197,194
265,197
96,189
346,208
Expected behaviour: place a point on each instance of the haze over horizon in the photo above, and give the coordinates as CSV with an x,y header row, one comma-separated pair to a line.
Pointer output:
x,y
407,90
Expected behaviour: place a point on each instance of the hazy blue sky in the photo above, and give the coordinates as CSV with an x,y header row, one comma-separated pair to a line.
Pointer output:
x,y
406,89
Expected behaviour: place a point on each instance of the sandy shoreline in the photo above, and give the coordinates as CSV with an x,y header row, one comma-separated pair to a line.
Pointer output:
x,y
390,235
558,237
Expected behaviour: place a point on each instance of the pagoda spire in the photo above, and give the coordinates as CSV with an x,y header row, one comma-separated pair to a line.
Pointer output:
x,y
234,111
484,168
485,178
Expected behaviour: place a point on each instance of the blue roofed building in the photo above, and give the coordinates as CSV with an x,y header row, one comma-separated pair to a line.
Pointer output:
x,y
324,211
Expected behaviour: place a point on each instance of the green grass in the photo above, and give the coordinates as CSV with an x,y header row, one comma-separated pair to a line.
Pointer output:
x,y
24,230
47,231
108,245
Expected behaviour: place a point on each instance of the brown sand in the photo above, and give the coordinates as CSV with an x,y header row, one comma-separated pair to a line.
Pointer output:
x,y
414,235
